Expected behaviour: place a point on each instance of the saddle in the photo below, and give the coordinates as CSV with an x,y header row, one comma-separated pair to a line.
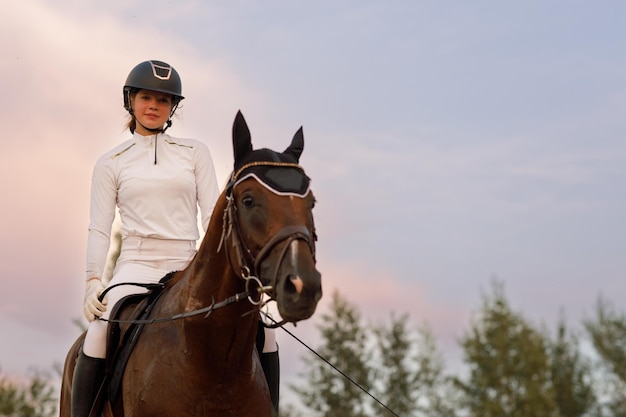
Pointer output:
x,y
123,336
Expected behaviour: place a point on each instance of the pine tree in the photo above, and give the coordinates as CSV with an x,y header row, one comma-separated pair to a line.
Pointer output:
x,y
571,375
326,392
33,398
437,395
410,375
608,335
509,372
397,376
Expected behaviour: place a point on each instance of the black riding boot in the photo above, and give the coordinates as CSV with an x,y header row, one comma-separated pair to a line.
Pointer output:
x,y
271,367
88,376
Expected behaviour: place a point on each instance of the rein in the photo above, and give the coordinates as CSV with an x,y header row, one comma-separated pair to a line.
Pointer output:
x,y
247,294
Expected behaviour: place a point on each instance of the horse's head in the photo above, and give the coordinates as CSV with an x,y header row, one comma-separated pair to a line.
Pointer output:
x,y
269,221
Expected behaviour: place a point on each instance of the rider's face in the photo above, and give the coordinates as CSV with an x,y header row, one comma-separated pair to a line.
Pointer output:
x,y
151,109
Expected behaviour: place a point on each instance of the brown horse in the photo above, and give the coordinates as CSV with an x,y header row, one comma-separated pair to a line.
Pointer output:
x,y
261,239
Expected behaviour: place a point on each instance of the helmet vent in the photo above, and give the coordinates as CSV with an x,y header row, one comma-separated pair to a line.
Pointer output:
x,y
161,70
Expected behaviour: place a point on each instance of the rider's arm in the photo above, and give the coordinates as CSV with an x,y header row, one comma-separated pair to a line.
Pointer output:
x,y
206,183
101,215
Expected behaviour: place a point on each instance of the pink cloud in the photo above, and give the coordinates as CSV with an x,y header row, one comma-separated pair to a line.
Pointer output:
x,y
378,293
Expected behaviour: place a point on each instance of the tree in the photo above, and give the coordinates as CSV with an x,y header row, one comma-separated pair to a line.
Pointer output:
x,y
397,377
34,398
288,411
437,395
410,374
571,375
327,392
509,372
608,336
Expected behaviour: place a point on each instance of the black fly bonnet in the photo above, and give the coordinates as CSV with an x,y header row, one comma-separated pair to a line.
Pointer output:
x,y
278,172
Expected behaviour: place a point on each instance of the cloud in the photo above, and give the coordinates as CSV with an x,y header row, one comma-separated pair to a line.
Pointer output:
x,y
440,154
377,295
62,109
379,292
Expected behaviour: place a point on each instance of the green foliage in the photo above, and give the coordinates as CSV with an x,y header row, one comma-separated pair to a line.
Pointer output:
x,y
508,364
398,366
571,375
344,346
608,335
399,382
436,393
288,411
411,372
513,369
36,398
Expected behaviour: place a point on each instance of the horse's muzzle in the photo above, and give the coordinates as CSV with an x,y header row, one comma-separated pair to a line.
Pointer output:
x,y
298,285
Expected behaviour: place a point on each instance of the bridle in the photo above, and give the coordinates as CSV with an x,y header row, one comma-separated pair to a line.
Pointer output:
x,y
247,263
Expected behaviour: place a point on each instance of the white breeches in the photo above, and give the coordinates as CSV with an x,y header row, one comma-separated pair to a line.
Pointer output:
x,y
141,260
144,260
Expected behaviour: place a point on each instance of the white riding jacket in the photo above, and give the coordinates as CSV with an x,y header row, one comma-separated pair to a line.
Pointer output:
x,y
157,187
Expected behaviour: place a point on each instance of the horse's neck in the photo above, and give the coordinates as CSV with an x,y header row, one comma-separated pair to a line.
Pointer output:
x,y
211,273
210,279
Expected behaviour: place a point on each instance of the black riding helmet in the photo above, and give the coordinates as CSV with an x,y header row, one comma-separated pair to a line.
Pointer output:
x,y
156,76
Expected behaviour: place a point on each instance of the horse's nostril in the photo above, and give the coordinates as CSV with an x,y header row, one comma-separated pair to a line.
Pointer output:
x,y
297,283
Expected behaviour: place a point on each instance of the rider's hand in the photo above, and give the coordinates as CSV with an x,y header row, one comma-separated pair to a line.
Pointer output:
x,y
93,306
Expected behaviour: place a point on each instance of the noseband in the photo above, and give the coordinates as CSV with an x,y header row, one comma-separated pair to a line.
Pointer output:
x,y
247,262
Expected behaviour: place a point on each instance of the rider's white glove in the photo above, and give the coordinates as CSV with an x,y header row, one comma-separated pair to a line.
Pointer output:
x,y
94,307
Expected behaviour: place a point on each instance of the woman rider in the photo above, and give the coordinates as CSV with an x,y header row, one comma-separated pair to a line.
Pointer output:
x,y
157,182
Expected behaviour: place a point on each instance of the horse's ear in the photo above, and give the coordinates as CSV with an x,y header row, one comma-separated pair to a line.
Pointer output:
x,y
297,145
242,143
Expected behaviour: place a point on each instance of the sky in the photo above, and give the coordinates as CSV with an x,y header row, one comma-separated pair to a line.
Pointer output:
x,y
450,143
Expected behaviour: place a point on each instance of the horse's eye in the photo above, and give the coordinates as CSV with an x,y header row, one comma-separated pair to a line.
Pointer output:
x,y
247,201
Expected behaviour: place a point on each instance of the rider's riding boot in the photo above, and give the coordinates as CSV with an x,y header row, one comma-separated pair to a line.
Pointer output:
x,y
271,367
88,376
